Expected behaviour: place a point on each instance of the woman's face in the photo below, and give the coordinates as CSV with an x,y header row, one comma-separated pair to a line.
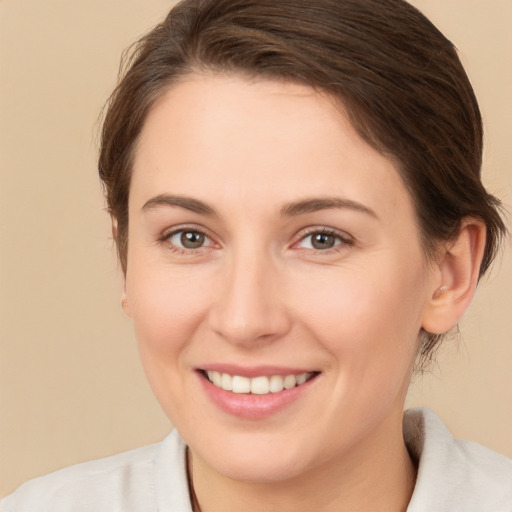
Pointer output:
x,y
267,239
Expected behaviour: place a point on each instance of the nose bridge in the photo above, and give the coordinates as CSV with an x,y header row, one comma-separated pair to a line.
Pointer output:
x,y
249,307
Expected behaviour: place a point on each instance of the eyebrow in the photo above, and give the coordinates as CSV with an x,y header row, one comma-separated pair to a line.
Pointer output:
x,y
317,204
289,210
188,203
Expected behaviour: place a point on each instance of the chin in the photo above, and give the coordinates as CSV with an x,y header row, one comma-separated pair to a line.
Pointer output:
x,y
254,460
259,469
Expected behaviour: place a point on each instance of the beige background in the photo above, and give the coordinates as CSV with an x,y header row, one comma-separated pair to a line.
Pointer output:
x,y
71,387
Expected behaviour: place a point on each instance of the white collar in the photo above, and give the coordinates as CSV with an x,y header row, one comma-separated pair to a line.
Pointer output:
x,y
453,475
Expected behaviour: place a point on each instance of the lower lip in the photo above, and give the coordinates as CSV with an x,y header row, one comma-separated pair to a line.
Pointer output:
x,y
252,406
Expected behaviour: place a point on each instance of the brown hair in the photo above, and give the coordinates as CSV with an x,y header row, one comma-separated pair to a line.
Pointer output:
x,y
398,78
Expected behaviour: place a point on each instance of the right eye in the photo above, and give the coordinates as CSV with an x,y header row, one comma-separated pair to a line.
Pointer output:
x,y
189,239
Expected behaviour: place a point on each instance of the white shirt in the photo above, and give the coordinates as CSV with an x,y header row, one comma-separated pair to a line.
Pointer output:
x,y
453,476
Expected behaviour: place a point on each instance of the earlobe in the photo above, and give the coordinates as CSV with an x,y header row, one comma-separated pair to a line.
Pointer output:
x,y
124,304
459,270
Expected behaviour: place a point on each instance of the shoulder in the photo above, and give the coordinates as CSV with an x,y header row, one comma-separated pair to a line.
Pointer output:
x,y
121,482
454,474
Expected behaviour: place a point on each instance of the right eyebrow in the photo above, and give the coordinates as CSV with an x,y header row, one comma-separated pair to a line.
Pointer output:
x,y
188,203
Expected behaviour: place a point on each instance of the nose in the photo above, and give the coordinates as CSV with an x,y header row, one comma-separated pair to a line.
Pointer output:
x,y
249,308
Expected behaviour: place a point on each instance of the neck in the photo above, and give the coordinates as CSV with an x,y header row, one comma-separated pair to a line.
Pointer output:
x,y
375,476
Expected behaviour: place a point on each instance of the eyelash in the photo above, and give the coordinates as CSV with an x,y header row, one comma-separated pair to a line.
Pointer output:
x,y
342,240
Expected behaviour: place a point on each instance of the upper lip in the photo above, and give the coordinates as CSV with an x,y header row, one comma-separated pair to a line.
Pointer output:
x,y
254,371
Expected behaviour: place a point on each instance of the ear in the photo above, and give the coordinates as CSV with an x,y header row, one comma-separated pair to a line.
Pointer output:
x,y
456,277
124,298
124,303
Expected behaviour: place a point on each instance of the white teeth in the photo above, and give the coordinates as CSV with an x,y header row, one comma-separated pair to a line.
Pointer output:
x,y
257,385
217,379
260,385
301,378
276,383
226,382
289,382
240,384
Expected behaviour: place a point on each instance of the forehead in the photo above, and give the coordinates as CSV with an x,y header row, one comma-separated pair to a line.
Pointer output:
x,y
226,136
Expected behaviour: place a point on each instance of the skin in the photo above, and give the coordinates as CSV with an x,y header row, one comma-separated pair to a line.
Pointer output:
x,y
258,293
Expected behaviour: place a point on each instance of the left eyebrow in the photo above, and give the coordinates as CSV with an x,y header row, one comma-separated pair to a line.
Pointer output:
x,y
317,204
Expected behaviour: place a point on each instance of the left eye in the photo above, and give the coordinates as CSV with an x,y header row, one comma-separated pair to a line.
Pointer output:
x,y
189,239
320,241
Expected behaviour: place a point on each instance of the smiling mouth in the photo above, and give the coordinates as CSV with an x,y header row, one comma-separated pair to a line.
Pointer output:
x,y
257,385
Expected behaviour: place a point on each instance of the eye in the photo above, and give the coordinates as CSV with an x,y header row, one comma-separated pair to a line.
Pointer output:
x,y
189,239
322,240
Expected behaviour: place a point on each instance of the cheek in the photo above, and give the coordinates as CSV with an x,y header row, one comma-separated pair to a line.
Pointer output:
x,y
166,312
369,324
365,316
166,306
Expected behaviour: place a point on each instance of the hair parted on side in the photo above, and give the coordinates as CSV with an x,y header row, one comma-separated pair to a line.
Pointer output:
x,y
396,76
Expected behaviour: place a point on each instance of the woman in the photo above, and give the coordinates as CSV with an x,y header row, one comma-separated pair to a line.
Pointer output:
x,y
299,216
